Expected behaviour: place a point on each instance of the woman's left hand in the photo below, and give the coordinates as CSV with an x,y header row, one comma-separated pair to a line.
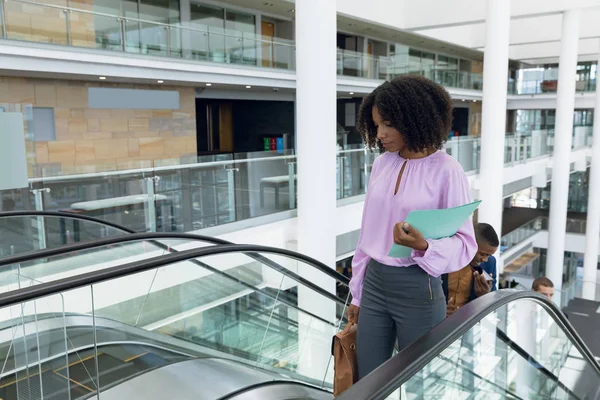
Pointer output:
x,y
406,235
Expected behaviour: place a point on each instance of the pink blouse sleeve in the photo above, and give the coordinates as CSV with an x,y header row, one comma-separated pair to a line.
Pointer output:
x,y
453,253
361,259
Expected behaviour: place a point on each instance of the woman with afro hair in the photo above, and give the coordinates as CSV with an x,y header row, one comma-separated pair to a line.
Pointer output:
x,y
400,299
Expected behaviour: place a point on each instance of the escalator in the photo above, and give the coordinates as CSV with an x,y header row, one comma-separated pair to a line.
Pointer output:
x,y
157,315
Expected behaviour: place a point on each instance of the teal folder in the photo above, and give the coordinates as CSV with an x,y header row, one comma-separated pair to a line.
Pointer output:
x,y
435,224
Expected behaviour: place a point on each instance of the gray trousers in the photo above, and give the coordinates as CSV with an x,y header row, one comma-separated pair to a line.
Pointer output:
x,y
397,304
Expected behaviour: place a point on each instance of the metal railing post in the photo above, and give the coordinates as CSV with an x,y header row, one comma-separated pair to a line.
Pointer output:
x,y
41,223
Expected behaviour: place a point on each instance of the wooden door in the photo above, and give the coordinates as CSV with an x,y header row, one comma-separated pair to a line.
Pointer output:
x,y
268,50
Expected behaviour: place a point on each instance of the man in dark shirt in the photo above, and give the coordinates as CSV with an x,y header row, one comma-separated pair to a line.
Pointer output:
x,y
479,277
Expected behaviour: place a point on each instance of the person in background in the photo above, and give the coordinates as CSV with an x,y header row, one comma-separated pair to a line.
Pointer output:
x,y
544,286
400,299
473,281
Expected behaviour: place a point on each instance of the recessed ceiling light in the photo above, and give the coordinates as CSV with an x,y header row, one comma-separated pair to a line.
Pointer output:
x,y
293,10
474,101
248,87
209,84
102,78
463,99
160,81
351,93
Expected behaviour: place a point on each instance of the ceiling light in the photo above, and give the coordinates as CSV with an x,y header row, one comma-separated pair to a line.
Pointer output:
x,y
248,87
474,101
209,84
102,78
160,81
463,100
351,93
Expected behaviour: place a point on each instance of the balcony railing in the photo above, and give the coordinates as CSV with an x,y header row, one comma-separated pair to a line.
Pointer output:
x,y
31,21
541,86
46,23
190,194
361,65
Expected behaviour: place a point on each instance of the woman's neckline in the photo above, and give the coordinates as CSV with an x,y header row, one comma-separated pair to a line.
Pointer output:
x,y
428,157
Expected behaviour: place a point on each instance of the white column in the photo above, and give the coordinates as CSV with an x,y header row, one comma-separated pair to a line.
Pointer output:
x,y
592,233
565,105
316,103
493,123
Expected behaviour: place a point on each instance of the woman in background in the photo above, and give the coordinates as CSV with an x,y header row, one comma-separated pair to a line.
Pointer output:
x,y
408,119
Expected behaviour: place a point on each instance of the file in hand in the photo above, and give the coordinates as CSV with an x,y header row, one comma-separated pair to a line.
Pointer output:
x,y
435,224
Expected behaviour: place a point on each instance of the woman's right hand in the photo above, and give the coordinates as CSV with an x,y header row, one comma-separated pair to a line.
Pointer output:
x,y
352,314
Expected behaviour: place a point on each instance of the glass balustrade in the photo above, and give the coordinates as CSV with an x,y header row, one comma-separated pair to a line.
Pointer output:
x,y
518,352
248,308
187,194
543,86
83,26
72,26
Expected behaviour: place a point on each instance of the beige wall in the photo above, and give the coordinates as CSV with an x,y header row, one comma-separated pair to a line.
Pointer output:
x,y
92,140
37,23
475,118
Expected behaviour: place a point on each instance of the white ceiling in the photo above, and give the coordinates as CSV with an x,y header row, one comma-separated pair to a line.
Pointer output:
x,y
535,27
457,26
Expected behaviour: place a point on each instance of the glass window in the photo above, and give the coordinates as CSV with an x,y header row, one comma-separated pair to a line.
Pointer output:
x,y
240,22
414,57
43,126
427,61
164,11
205,17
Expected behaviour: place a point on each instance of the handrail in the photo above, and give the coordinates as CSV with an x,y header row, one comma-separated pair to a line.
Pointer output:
x,y
53,214
91,278
154,169
151,236
400,368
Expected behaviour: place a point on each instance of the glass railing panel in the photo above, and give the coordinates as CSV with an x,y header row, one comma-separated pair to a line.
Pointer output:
x,y
466,150
35,23
264,183
21,234
542,86
517,351
47,269
353,169
520,234
35,363
283,53
350,63
99,31
234,304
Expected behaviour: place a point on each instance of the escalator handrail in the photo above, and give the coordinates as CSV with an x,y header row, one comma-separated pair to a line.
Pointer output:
x,y
150,236
155,237
58,214
400,368
61,285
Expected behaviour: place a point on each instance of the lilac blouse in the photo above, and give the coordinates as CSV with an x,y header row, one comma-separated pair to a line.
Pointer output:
x,y
434,182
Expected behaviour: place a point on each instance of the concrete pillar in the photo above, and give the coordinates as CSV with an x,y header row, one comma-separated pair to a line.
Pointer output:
x,y
592,233
316,103
495,72
565,105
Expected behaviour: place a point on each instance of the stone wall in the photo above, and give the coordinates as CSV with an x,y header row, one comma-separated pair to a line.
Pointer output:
x,y
93,140
46,24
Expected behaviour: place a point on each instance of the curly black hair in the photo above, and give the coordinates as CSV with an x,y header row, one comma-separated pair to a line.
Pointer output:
x,y
420,109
